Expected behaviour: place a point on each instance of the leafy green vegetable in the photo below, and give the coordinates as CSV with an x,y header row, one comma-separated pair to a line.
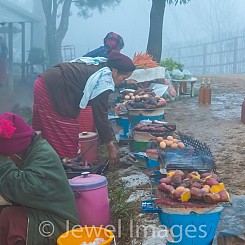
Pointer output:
x,y
170,64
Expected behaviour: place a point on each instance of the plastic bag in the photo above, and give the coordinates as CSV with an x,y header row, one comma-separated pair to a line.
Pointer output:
x,y
167,74
187,74
177,74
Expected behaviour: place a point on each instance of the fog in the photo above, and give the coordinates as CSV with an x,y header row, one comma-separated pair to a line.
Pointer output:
x,y
197,20
130,19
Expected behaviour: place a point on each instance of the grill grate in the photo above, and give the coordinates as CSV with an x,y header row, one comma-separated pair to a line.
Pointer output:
x,y
197,156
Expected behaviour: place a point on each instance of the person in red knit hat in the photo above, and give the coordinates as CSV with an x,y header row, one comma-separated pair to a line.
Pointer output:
x,y
112,41
31,179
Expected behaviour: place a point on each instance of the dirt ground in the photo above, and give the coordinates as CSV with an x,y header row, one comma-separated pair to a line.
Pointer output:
x,y
218,125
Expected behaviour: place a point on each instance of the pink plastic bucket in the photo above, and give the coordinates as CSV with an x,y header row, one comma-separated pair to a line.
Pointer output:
x,y
92,202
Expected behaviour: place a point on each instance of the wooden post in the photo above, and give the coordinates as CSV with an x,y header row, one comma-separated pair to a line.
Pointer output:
x,y
221,49
23,51
204,70
235,55
11,70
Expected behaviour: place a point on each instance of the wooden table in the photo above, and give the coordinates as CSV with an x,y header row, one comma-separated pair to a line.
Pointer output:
x,y
179,87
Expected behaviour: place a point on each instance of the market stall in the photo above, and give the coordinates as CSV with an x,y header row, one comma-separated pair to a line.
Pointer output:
x,y
190,200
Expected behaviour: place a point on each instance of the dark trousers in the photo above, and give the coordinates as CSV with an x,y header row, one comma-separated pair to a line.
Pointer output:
x,y
13,225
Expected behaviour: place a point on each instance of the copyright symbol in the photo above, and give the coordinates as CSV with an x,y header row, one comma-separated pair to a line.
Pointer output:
x,y
46,228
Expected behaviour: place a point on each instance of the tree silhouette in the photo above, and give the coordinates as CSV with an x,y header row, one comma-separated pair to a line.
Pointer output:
x,y
57,14
154,46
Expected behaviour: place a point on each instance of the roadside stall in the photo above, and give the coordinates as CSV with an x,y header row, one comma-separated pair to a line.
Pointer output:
x,y
189,205
188,194
146,102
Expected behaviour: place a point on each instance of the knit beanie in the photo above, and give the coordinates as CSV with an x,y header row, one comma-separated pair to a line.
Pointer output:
x,y
15,134
120,62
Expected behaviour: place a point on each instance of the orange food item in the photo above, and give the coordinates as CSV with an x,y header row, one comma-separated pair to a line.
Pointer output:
x,y
166,180
174,145
175,141
180,189
217,188
185,196
165,188
181,145
212,198
178,173
205,189
193,175
170,138
171,173
211,181
169,143
197,193
175,194
162,144
159,139
224,196
144,60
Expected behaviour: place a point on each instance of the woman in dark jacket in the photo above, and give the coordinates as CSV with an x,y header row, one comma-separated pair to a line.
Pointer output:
x,y
61,92
33,179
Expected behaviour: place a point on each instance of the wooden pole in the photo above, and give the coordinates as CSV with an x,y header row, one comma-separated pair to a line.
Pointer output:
x,y
11,70
23,51
235,55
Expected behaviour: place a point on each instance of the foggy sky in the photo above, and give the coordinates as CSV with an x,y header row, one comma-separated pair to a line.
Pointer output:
x,y
131,20
197,20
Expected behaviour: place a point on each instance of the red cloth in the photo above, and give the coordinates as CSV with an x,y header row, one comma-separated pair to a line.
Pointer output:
x,y
60,132
15,134
13,225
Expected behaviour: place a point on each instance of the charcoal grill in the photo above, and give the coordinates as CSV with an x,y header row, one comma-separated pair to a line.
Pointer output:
x,y
196,156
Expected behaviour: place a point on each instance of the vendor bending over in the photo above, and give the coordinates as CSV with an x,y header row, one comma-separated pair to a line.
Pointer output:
x,y
32,178
61,91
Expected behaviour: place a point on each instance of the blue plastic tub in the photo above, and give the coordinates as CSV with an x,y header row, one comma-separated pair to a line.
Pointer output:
x,y
191,228
152,163
125,124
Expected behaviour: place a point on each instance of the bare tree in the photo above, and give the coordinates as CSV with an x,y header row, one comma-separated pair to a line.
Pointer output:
x,y
154,46
57,14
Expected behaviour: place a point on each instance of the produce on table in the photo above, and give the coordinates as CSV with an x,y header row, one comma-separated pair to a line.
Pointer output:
x,y
166,188
217,188
193,186
212,198
170,142
194,175
144,60
143,99
166,180
208,175
224,196
185,196
153,128
211,181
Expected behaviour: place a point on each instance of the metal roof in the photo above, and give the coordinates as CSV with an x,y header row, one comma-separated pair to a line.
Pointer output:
x,y
10,12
